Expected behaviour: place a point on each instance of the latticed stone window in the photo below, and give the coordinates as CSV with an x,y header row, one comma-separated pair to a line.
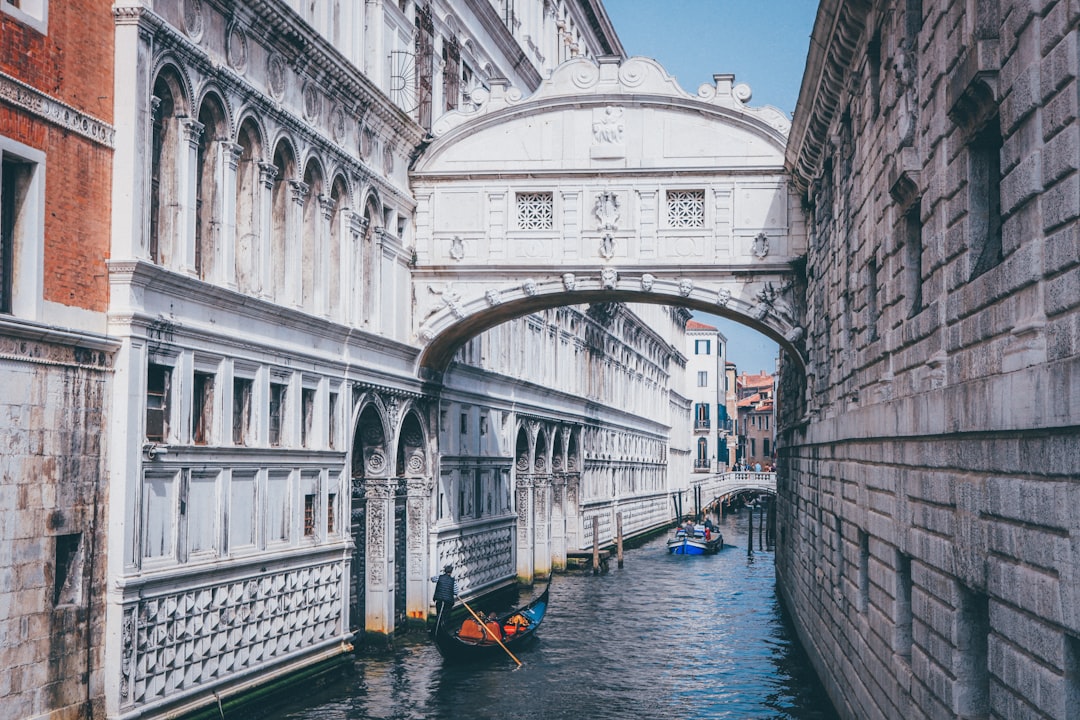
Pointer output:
x,y
686,208
535,211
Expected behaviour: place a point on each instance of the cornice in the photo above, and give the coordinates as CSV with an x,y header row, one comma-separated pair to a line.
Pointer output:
x,y
839,26
168,37
600,23
150,278
288,34
485,12
37,103
39,332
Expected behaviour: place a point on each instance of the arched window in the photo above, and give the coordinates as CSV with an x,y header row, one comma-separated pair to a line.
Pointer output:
x,y
207,192
248,193
285,167
165,139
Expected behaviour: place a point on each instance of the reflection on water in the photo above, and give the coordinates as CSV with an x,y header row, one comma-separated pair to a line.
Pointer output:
x,y
666,636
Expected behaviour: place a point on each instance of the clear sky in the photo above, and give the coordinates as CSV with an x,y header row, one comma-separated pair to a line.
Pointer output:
x,y
763,42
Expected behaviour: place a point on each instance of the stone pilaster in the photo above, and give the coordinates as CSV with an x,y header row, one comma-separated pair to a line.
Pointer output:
x,y
379,496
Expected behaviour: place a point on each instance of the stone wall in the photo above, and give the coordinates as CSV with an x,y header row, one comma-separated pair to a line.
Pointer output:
x,y
928,539
53,490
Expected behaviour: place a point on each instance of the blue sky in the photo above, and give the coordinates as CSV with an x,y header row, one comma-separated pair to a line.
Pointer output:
x,y
763,42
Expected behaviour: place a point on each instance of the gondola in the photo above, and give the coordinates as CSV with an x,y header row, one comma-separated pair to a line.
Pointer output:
x,y
466,640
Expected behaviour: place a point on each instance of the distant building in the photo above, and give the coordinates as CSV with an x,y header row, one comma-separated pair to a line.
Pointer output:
x,y
707,380
757,418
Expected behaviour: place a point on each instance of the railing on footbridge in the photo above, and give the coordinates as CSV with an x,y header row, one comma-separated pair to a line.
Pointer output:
x,y
710,489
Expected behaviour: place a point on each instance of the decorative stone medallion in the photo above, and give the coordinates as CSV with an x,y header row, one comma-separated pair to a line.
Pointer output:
x,y
236,49
312,102
275,75
337,123
193,19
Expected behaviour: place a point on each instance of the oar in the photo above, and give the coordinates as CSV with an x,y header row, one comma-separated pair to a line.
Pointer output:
x,y
488,631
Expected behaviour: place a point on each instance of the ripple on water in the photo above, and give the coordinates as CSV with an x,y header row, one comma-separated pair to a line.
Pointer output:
x,y
664,637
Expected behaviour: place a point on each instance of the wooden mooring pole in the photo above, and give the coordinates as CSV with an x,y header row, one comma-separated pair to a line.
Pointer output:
x,y
750,535
595,547
618,537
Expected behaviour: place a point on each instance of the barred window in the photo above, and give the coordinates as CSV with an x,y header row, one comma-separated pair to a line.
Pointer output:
x,y
686,208
535,211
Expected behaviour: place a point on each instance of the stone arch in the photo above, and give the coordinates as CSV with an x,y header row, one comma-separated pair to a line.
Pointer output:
x,y
214,118
541,452
312,241
523,451
413,458
558,449
170,103
249,193
284,164
459,318
371,435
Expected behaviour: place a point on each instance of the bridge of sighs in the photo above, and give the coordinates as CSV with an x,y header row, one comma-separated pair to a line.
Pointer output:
x,y
609,183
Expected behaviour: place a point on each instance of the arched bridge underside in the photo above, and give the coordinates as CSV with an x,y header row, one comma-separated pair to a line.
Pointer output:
x,y
608,184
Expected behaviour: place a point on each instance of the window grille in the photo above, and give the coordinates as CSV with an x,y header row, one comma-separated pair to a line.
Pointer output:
x,y
535,211
686,208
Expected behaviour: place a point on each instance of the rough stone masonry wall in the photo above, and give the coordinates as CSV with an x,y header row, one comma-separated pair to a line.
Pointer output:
x,y
52,564
929,481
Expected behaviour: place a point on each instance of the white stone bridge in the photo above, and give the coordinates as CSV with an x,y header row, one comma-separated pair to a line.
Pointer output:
x,y
609,183
717,488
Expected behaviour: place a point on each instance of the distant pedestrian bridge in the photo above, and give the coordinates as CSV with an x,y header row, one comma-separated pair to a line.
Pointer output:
x,y
725,486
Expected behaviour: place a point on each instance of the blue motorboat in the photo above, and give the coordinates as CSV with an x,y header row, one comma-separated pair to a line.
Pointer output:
x,y
699,541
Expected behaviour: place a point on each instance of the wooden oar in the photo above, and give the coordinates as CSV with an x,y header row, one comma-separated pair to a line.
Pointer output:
x,y
488,631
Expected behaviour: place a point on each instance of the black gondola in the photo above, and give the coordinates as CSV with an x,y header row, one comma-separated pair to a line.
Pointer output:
x,y
468,641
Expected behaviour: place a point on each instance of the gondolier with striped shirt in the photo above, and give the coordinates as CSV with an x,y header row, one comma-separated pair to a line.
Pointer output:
x,y
445,592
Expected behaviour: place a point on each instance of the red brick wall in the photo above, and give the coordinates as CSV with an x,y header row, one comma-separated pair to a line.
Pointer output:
x,y
73,64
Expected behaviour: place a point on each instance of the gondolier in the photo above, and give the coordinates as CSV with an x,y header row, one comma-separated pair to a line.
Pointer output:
x,y
445,592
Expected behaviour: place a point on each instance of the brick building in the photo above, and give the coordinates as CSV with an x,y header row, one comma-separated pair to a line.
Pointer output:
x,y
756,405
55,181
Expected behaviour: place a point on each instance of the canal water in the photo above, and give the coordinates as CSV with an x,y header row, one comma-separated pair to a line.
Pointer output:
x,y
666,636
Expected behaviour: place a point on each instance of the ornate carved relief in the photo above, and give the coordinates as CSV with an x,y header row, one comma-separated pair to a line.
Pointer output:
x,y
760,246
608,125
569,281
182,640
457,248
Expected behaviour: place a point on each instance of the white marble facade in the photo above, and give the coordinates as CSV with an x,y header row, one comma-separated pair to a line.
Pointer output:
x,y
284,472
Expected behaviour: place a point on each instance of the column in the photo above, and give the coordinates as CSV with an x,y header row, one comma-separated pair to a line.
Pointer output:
x,y
542,527
573,511
558,522
226,186
294,242
524,506
187,180
265,283
353,282
322,254
417,586
379,544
